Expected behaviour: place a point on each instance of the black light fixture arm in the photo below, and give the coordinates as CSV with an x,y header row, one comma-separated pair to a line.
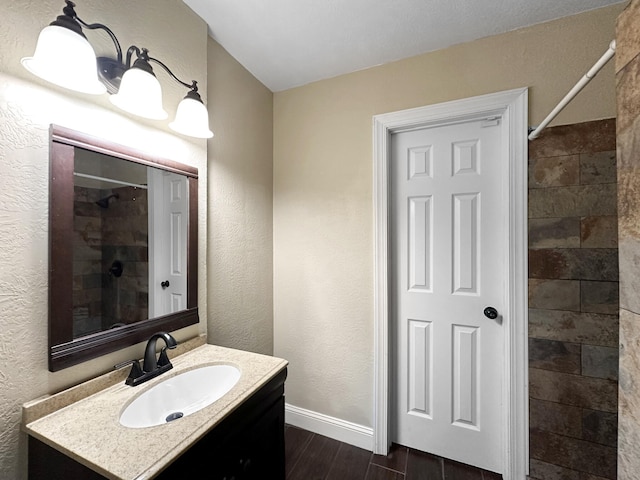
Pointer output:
x,y
193,86
71,21
143,61
68,19
141,54
95,26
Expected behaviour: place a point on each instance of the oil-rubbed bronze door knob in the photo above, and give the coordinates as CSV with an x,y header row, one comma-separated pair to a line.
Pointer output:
x,y
491,313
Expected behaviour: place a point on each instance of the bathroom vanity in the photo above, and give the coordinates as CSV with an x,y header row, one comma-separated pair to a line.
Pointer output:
x,y
240,436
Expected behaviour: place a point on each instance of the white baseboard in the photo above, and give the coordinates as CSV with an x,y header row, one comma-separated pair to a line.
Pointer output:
x,y
331,427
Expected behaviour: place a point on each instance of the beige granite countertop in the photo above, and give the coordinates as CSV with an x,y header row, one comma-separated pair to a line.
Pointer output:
x,y
88,430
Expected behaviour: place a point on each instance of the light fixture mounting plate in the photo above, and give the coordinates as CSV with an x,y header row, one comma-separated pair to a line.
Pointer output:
x,y
110,73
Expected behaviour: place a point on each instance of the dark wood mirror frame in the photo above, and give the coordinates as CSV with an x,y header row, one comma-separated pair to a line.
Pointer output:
x,y
64,350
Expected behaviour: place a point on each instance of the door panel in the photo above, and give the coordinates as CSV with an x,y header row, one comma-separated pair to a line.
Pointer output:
x,y
465,243
465,376
420,252
446,246
420,373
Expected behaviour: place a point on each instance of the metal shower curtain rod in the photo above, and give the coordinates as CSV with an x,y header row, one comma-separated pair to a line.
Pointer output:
x,y
576,89
110,180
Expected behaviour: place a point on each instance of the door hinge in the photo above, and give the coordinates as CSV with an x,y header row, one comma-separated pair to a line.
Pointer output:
x,y
491,122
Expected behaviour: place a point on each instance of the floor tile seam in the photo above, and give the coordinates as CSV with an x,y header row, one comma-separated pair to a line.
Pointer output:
x,y
371,454
301,455
386,468
406,461
366,472
332,462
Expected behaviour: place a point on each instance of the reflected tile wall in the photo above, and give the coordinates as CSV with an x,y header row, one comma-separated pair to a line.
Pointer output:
x,y
101,236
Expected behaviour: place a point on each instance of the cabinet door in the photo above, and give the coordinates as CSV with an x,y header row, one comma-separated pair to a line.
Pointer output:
x,y
254,451
264,449
248,444
47,463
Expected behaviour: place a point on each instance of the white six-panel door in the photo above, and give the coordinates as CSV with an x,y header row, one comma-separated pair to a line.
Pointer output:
x,y
168,222
446,248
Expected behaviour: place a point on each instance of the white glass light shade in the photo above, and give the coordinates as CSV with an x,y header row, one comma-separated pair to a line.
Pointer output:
x,y
140,94
192,119
67,59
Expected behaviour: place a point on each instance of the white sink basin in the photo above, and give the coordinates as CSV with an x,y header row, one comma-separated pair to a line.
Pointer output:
x,y
180,395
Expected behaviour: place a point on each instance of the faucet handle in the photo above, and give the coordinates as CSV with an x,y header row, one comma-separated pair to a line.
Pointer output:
x,y
135,373
136,370
163,359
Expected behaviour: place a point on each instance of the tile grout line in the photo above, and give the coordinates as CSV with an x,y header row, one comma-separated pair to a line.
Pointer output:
x,y
386,468
366,473
333,460
304,449
406,462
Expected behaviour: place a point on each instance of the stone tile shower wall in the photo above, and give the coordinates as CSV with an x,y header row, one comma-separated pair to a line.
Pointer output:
x,y
573,303
628,136
125,237
102,235
87,262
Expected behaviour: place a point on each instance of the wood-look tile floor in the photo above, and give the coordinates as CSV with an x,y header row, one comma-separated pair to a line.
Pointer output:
x,y
309,456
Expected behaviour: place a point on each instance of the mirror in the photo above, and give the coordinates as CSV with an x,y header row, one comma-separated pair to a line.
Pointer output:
x,y
123,247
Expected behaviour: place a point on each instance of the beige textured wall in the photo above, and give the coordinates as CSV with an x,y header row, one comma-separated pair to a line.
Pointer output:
x,y
27,107
323,207
240,207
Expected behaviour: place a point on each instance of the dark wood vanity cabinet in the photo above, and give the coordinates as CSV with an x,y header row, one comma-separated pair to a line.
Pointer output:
x,y
247,445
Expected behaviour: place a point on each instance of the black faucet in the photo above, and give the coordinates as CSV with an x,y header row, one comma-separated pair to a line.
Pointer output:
x,y
151,367
150,363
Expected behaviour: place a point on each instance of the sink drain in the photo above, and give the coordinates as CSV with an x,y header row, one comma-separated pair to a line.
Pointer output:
x,y
174,416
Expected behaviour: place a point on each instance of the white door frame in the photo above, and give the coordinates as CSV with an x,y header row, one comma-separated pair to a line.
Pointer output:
x,y
511,107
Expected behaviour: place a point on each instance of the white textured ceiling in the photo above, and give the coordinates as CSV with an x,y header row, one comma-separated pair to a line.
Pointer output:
x,y
287,43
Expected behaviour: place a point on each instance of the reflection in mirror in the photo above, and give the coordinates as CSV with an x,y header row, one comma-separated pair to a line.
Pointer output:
x,y
117,203
123,247
110,247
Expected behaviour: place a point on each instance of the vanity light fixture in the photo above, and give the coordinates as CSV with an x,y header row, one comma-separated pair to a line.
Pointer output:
x,y
65,57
